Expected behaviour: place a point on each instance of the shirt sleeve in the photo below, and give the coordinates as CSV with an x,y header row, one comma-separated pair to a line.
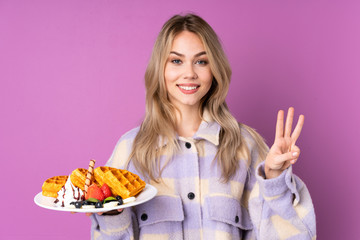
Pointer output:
x,y
280,208
116,227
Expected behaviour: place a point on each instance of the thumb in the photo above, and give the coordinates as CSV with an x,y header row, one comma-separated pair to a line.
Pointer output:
x,y
286,157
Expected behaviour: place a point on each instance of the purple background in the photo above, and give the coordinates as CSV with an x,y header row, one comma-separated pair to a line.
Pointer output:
x,y
72,83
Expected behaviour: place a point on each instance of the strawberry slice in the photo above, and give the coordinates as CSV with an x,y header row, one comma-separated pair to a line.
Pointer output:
x,y
94,192
106,190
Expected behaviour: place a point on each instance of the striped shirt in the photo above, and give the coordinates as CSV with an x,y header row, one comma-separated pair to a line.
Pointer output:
x,y
193,203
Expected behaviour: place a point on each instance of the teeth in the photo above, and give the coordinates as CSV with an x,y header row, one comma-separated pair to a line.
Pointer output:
x,y
188,88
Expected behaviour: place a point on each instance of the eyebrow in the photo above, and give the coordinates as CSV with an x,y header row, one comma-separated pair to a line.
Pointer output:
x,y
182,55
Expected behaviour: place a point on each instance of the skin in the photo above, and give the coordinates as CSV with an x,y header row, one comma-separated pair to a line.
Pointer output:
x,y
284,151
187,64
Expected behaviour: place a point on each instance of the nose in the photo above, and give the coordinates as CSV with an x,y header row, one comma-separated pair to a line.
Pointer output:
x,y
189,72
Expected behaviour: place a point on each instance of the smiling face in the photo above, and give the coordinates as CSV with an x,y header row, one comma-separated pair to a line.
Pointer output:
x,y
187,72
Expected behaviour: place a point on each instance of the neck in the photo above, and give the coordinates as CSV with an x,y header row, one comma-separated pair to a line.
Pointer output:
x,y
188,122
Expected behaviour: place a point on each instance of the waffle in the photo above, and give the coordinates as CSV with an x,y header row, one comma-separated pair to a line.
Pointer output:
x,y
121,182
99,174
78,177
52,185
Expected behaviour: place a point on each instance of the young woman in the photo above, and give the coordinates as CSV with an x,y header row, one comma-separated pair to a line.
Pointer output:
x,y
216,178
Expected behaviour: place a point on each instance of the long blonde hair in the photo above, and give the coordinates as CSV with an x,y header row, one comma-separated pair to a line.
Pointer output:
x,y
160,122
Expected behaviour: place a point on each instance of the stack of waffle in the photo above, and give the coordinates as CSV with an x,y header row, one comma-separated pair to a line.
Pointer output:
x,y
121,182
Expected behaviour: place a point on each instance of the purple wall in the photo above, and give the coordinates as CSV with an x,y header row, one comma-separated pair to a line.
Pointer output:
x,y
71,77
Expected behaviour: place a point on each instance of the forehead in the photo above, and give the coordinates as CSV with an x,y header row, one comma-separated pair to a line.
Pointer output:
x,y
187,41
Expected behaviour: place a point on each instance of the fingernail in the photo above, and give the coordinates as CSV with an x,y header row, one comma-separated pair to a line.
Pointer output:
x,y
295,154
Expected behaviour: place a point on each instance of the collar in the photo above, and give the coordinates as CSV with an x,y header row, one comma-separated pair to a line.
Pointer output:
x,y
208,130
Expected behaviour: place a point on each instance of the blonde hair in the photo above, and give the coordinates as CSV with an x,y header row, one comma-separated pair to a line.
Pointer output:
x,y
159,123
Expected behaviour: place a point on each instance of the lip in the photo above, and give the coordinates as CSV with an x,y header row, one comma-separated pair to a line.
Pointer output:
x,y
191,91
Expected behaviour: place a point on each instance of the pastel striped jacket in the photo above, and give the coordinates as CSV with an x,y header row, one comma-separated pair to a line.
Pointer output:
x,y
193,204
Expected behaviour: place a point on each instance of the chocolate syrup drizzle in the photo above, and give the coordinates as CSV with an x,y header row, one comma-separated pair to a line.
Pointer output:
x,y
77,196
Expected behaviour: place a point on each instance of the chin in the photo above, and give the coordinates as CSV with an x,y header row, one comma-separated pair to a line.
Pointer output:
x,y
191,104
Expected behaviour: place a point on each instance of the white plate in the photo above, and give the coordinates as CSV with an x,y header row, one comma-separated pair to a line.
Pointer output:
x,y
48,202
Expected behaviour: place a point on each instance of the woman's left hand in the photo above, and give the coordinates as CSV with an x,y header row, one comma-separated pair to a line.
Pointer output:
x,y
283,152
